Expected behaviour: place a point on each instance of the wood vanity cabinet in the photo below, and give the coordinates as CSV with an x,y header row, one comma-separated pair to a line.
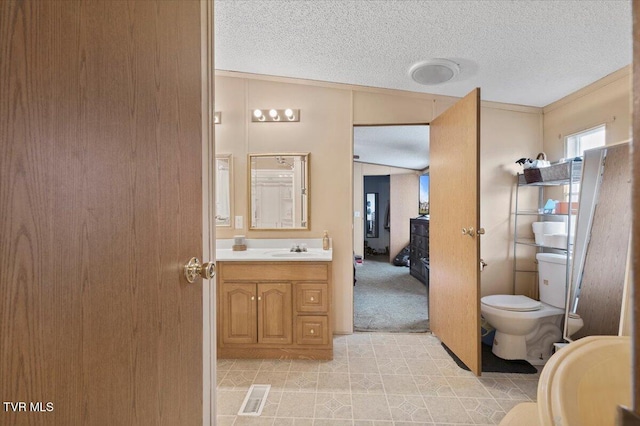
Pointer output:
x,y
274,310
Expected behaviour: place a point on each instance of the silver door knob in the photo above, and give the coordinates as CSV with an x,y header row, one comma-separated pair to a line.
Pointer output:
x,y
480,231
193,268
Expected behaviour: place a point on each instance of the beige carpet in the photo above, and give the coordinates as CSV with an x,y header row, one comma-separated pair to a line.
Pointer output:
x,y
387,298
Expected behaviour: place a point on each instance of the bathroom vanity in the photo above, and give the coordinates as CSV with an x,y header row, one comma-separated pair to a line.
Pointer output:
x,y
274,303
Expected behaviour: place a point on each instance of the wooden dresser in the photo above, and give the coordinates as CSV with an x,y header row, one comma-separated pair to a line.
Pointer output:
x,y
419,248
274,310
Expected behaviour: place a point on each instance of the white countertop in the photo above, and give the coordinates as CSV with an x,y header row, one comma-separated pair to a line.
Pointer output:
x,y
273,250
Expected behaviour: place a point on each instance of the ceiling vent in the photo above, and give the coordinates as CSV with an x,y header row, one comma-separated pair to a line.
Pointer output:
x,y
434,71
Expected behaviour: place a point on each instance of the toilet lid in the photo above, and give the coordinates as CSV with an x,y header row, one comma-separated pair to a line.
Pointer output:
x,y
510,302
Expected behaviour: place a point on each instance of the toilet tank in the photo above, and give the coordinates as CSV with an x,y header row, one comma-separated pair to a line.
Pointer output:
x,y
552,274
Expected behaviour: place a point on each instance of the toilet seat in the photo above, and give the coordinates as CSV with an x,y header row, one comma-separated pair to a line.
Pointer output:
x,y
509,302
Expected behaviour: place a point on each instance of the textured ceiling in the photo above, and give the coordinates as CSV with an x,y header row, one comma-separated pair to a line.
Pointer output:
x,y
521,52
398,146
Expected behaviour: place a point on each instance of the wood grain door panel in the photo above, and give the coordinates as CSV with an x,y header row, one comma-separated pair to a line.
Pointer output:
x,y
600,301
100,206
454,277
275,313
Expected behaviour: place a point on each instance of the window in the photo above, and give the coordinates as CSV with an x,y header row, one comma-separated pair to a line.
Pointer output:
x,y
578,143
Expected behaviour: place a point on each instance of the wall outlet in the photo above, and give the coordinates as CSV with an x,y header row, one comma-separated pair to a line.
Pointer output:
x,y
239,224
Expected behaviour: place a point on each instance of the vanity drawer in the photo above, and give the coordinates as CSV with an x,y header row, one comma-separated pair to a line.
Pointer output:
x,y
311,297
278,271
312,330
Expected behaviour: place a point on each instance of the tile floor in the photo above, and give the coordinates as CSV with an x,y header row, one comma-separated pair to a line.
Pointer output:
x,y
374,379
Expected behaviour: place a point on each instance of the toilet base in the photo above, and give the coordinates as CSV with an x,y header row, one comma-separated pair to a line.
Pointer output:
x,y
509,346
535,347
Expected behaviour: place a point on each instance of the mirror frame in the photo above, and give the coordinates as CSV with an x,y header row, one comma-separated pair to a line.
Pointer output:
x,y
228,157
307,157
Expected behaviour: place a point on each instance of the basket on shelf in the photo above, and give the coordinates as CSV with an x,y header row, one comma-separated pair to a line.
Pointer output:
x,y
555,172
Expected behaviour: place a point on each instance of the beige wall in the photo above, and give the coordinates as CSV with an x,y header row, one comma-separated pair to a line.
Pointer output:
x,y
404,206
328,112
607,101
391,108
506,136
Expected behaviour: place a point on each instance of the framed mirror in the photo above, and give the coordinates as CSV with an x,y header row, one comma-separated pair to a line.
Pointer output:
x,y
279,191
223,190
371,218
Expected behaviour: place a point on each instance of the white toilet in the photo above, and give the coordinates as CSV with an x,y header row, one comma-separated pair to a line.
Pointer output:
x,y
527,328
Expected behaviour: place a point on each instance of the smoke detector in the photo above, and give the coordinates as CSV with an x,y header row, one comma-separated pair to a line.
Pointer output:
x,y
434,71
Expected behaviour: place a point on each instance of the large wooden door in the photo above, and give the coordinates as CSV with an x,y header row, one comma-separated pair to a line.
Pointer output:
x,y
274,313
454,276
100,206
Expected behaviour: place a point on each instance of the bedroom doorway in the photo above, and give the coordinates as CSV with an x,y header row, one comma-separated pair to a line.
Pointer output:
x,y
388,163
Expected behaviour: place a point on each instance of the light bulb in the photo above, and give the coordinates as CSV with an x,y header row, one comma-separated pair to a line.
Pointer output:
x,y
289,113
273,113
257,113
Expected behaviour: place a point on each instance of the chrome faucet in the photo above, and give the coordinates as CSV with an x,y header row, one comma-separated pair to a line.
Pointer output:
x,y
296,248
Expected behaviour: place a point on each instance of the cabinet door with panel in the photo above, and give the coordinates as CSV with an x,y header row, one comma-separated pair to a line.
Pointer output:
x,y
274,313
238,307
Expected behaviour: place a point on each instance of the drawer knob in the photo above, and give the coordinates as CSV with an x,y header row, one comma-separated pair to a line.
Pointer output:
x,y
253,298
312,298
312,331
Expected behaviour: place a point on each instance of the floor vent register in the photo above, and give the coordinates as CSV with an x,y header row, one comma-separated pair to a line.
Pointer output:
x,y
254,401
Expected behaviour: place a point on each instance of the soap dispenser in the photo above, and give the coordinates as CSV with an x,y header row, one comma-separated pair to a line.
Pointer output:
x,y
325,240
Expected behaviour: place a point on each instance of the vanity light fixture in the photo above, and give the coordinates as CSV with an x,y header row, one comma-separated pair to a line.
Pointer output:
x,y
289,114
258,115
217,117
275,115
